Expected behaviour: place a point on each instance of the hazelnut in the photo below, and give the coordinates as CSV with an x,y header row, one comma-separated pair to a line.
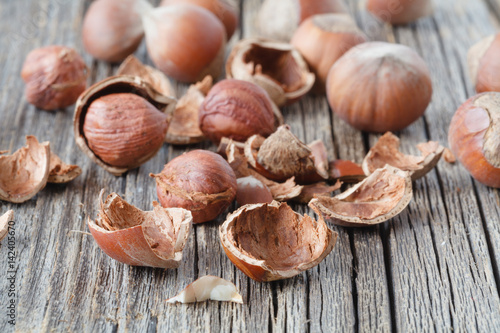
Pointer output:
x,y
225,12
112,29
484,64
251,191
208,287
474,137
322,39
236,109
267,251
400,11
277,67
291,14
140,238
121,122
379,87
55,76
200,181
185,41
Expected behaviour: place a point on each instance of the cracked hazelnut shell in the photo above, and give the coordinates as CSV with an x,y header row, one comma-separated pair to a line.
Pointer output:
x,y
113,122
200,181
140,238
208,287
275,66
236,109
474,137
7,217
61,172
322,39
25,172
483,60
381,196
55,76
379,87
271,242
401,11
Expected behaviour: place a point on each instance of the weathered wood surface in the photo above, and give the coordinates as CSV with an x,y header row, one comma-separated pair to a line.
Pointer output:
x,y
432,268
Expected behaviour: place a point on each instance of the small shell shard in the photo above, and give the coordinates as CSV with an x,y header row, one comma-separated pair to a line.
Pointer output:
x,y
208,288
4,223
61,172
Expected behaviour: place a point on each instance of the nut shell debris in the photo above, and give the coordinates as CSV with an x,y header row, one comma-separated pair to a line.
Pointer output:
x,y
61,172
208,287
7,217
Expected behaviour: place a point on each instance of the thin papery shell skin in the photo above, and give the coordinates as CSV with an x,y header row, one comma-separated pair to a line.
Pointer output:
x,y
141,238
4,223
271,242
24,173
200,181
277,67
381,196
159,81
278,19
386,151
208,287
112,85
61,172
401,11
474,137
185,125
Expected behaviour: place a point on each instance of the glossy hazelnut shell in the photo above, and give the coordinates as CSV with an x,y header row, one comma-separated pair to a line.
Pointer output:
x,y
112,85
484,64
200,181
236,109
474,137
379,87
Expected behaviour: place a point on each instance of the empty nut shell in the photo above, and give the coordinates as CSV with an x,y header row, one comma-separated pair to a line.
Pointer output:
x,y
271,242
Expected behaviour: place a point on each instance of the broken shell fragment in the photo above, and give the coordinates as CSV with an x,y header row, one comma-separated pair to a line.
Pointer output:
x,y
208,287
159,81
251,191
141,238
313,190
61,172
24,173
271,242
184,127
386,151
345,171
4,223
381,196
275,66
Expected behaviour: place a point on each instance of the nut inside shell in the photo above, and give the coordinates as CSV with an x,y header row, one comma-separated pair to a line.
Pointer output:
x,y
25,172
272,242
141,238
114,85
275,66
381,196
386,151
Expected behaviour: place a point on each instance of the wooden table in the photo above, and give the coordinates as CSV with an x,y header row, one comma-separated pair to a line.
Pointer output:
x,y
435,267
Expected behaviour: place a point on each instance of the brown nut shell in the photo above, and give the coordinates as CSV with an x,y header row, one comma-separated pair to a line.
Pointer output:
x,y
474,137
379,87
236,109
24,173
112,29
323,39
141,238
401,11
61,172
185,41
55,76
200,181
275,66
114,85
386,151
381,196
251,191
483,60
345,171
5,220
271,242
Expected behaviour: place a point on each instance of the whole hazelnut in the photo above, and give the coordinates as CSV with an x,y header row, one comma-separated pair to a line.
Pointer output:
x,y
185,41
484,64
55,76
223,10
474,137
112,29
200,181
400,11
379,87
236,109
322,39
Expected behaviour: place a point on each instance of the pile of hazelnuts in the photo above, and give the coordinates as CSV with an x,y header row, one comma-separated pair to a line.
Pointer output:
x,y
373,86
